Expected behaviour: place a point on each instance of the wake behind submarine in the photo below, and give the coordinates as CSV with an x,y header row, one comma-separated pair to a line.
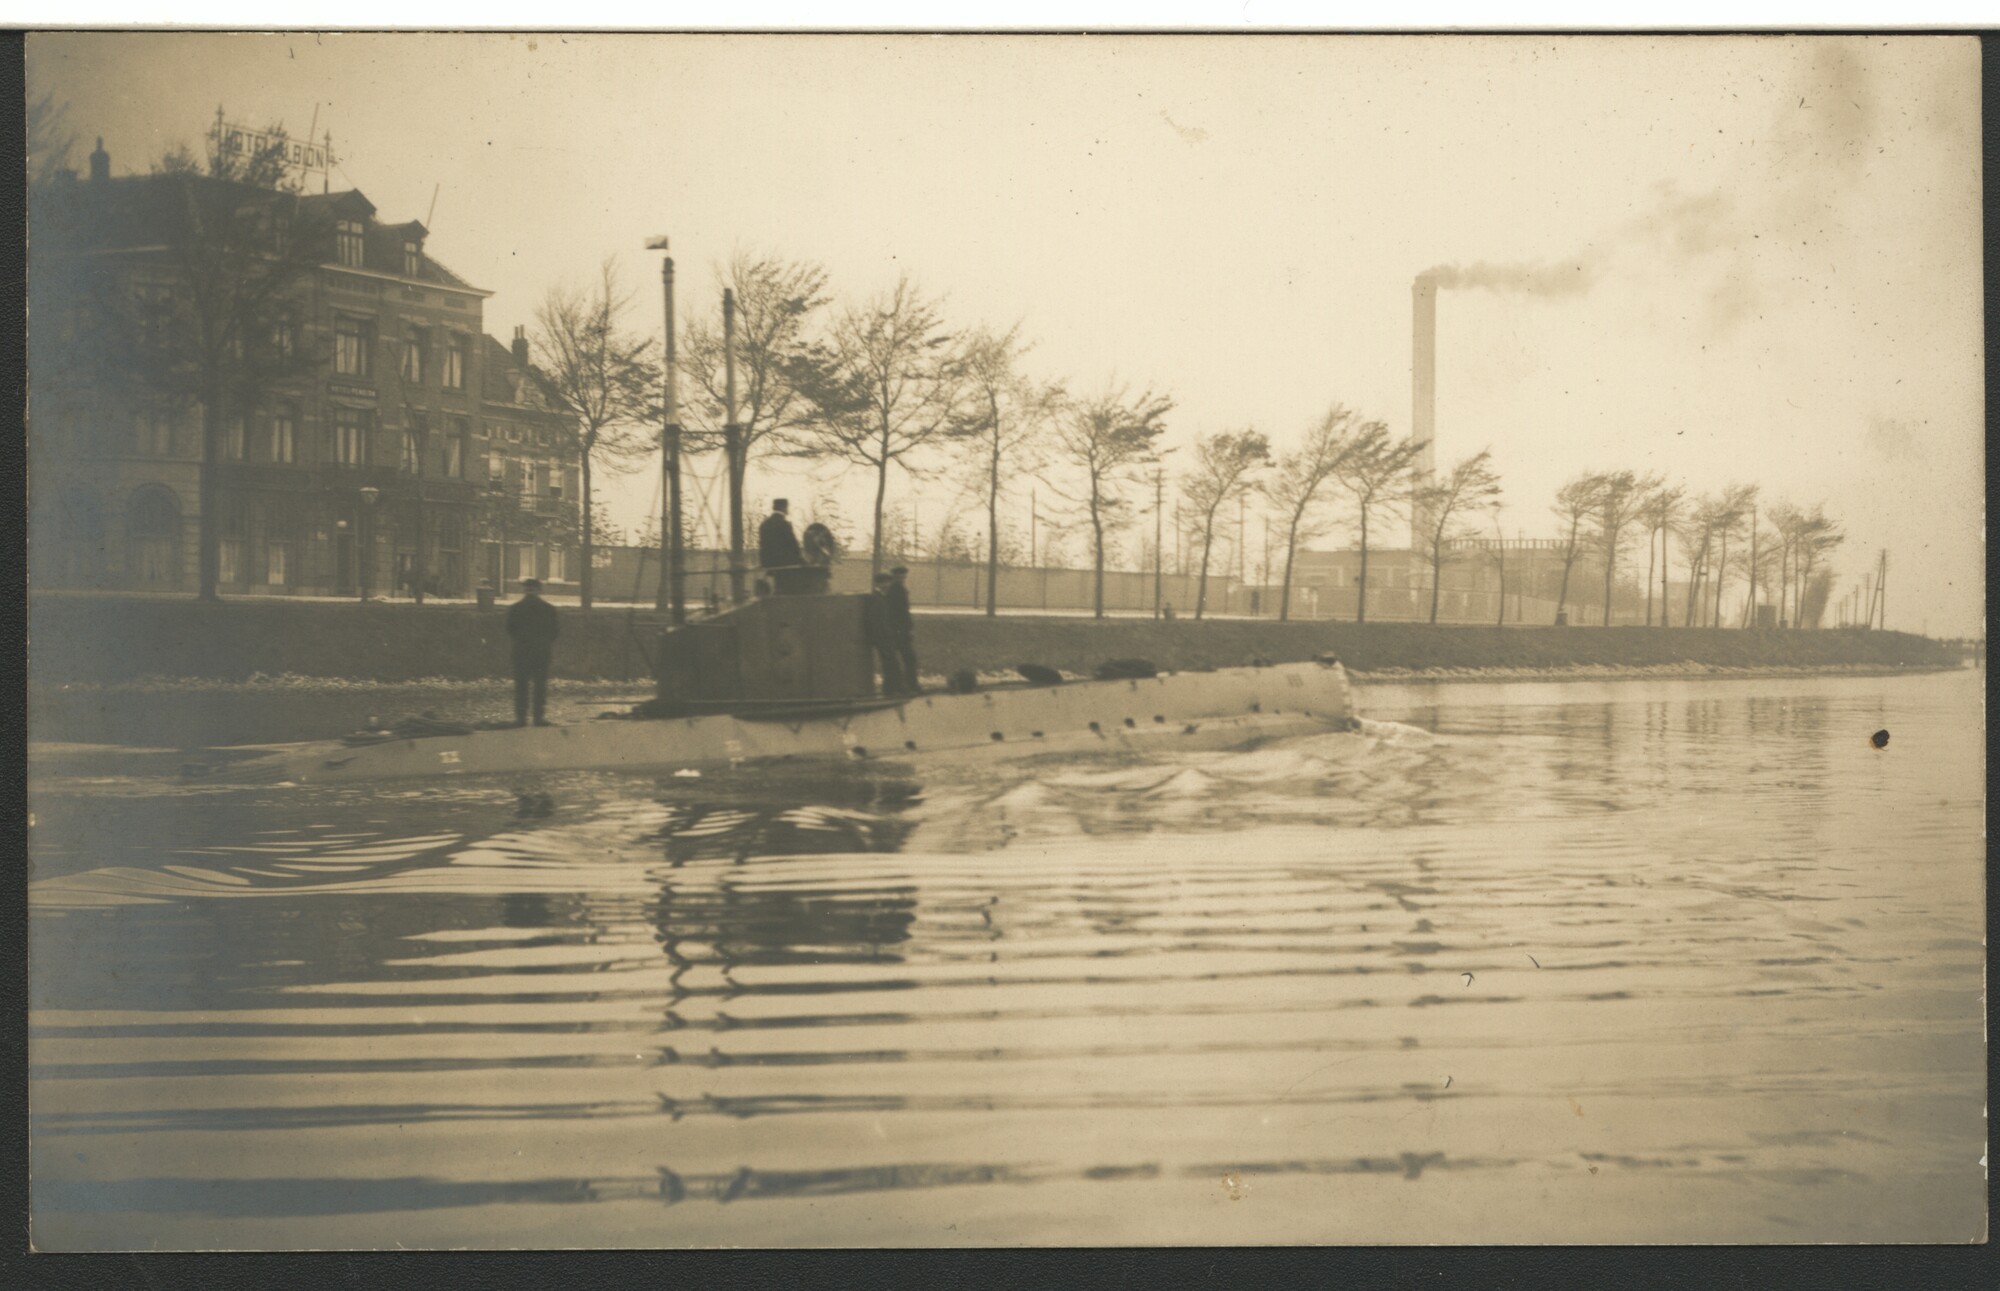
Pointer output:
x,y
791,677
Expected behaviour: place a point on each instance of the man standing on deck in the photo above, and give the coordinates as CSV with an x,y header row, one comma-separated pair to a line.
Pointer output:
x,y
875,621
778,550
901,629
533,628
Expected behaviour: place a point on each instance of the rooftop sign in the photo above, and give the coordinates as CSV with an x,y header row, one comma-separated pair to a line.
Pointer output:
x,y
241,143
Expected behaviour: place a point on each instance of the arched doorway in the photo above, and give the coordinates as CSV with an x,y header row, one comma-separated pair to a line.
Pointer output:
x,y
153,538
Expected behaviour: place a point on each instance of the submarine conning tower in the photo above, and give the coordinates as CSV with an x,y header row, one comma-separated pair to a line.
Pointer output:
x,y
776,648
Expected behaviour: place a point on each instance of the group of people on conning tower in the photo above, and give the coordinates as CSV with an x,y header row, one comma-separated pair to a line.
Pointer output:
x,y
795,569
792,569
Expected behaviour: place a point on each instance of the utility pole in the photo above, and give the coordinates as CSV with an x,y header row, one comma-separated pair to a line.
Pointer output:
x,y
672,591
1159,532
1243,534
1882,587
1264,571
1750,617
732,446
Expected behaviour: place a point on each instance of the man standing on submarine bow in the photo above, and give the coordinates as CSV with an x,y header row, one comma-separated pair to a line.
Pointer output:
x,y
533,628
902,629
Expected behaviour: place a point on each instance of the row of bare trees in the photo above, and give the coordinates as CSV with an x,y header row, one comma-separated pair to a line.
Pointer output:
x,y
876,385
887,386
1780,556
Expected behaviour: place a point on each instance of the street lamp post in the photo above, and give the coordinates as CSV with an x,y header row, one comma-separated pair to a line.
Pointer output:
x,y
368,495
732,438
672,593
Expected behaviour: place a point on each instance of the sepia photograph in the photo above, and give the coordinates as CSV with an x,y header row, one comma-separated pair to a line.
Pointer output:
x,y
929,640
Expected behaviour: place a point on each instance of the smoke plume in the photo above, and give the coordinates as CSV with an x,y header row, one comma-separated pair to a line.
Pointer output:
x,y
1567,278
1813,149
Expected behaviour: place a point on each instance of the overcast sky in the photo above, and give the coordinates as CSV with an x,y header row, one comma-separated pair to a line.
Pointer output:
x,y
1767,248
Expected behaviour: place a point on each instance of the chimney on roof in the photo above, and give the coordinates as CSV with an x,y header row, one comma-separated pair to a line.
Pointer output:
x,y
521,345
100,161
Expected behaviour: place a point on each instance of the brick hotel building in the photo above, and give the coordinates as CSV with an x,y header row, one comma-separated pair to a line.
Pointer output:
x,y
405,423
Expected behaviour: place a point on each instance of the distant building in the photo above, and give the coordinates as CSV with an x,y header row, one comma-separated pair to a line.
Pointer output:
x,y
529,518
367,460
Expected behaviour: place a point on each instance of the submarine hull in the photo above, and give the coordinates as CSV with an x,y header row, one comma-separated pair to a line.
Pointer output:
x,y
1225,708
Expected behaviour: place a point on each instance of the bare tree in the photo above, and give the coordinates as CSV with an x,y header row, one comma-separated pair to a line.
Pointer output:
x,y
1376,473
1659,512
1005,410
604,377
889,384
1697,534
1576,501
1103,438
776,303
1299,482
49,138
1761,566
1815,537
1621,498
1221,472
1499,555
1445,503
1733,507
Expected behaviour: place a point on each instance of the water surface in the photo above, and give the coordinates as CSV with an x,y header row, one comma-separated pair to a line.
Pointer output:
x,y
1653,961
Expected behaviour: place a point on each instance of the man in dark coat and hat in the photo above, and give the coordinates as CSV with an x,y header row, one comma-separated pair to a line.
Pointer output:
x,y
901,628
533,628
778,550
875,621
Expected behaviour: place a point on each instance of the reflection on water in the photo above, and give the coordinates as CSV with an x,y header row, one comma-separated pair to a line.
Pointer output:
x,y
1597,962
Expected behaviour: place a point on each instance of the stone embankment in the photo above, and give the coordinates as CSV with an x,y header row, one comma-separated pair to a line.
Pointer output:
x,y
104,639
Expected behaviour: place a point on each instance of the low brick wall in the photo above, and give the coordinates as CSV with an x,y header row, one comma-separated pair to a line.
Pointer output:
x,y
80,638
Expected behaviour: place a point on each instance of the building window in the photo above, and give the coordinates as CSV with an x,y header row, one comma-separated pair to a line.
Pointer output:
x,y
524,562
348,237
235,440
350,436
571,483
414,352
542,480
556,574
229,562
451,553
156,432
412,453
278,564
283,450
413,259
353,342
284,336
454,362
454,450
153,537
516,475
156,309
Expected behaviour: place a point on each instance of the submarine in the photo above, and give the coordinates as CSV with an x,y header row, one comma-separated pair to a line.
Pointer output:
x,y
792,678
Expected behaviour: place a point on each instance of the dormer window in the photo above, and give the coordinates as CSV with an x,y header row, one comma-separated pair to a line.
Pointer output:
x,y
347,234
413,259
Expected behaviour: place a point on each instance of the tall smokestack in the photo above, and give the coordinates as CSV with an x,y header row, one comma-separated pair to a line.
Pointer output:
x,y
1423,386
